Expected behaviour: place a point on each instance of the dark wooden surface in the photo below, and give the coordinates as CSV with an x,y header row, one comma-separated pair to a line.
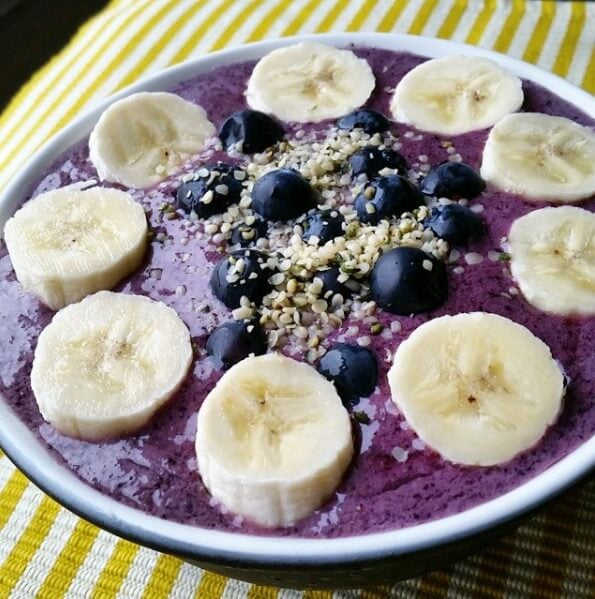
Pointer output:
x,y
32,31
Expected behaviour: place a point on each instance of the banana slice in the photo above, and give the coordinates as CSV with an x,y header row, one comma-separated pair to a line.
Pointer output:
x,y
69,242
542,157
455,95
140,140
309,83
476,387
553,259
273,440
104,366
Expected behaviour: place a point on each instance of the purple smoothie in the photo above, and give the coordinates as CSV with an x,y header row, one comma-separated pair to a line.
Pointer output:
x,y
394,480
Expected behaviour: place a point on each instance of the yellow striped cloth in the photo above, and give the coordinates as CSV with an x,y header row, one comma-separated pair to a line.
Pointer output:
x,y
47,552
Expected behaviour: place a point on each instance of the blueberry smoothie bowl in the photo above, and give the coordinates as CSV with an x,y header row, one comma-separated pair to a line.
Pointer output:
x,y
319,312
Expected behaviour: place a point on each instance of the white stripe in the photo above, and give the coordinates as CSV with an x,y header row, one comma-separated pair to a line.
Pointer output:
x,y
524,31
315,17
186,582
6,470
138,574
19,520
437,17
373,18
551,47
466,22
290,594
86,578
235,589
46,555
346,16
138,53
582,54
407,17
523,565
75,75
495,26
41,130
184,33
212,34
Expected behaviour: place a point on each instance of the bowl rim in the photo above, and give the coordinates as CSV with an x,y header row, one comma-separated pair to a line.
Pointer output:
x,y
195,543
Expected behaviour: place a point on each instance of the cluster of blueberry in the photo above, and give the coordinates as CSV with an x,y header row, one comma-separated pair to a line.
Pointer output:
x,y
404,280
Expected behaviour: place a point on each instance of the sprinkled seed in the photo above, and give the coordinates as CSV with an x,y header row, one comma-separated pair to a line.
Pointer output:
x,y
363,341
242,313
473,258
319,306
458,270
427,264
277,279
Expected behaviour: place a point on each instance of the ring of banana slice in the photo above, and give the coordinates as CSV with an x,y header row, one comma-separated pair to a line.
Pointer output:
x,y
273,438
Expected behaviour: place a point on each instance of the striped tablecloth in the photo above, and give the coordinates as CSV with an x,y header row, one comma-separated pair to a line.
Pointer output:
x,y
45,551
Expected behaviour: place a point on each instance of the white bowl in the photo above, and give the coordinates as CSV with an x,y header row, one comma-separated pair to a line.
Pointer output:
x,y
345,562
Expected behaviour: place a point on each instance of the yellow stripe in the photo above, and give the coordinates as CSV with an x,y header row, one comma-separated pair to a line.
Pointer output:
x,y
229,31
481,22
162,578
69,561
510,26
211,586
361,15
23,551
332,15
267,21
589,78
573,32
318,595
32,86
422,16
158,46
298,21
113,574
258,592
120,31
452,19
207,25
392,15
10,495
539,35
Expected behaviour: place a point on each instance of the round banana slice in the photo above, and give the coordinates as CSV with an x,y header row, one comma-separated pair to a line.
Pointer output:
x,y
478,388
273,440
104,366
309,83
455,95
553,259
69,242
141,139
541,157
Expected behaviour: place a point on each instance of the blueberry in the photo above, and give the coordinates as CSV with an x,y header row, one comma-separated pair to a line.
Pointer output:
x,y
455,223
244,272
330,282
371,160
282,194
324,225
352,369
406,281
368,120
452,180
385,197
245,235
219,180
235,340
254,131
